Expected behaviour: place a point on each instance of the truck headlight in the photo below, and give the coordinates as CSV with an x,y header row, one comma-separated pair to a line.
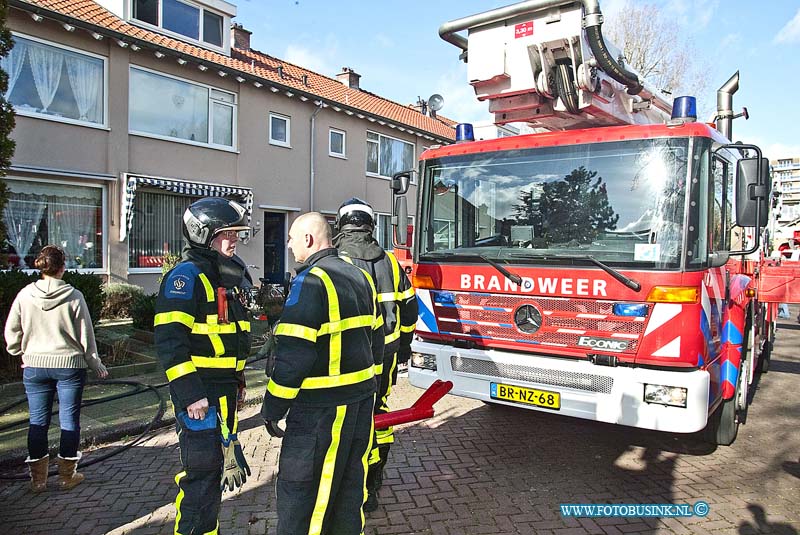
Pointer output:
x,y
423,360
673,396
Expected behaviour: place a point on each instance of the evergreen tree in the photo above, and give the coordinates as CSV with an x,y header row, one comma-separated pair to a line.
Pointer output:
x,y
6,119
573,209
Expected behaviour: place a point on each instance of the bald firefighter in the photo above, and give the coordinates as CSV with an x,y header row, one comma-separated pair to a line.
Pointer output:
x,y
329,341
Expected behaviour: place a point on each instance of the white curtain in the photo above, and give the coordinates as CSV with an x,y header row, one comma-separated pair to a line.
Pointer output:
x,y
72,226
46,65
85,77
22,219
12,64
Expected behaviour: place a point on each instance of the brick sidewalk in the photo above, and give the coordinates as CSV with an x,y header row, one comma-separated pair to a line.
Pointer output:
x,y
476,469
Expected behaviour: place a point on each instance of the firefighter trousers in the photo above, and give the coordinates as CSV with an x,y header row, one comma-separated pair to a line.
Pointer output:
x,y
322,469
383,438
199,494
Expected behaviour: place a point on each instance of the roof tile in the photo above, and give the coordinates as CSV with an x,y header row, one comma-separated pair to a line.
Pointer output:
x,y
260,65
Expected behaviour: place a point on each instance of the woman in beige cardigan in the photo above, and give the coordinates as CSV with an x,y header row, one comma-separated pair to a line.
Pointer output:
x,y
50,328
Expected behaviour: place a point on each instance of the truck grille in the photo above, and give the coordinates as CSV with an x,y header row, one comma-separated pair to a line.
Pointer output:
x,y
564,321
579,381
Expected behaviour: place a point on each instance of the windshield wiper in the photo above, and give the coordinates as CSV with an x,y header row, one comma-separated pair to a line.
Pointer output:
x,y
513,277
627,281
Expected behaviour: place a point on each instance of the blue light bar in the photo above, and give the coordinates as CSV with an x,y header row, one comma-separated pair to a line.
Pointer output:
x,y
444,298
685,108
628,309
464,133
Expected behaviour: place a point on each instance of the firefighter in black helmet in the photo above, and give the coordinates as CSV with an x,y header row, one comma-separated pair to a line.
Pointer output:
x,y
356,224
202,336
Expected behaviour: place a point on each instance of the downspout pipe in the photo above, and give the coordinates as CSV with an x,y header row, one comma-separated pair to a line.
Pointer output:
x,y
725,106
320,105
592,21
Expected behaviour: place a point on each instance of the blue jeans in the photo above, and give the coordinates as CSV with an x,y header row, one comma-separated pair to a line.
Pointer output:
x,y
41,385
783,310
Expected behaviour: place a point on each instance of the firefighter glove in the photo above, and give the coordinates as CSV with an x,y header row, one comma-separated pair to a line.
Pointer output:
x,y
235,469
273,428
403,354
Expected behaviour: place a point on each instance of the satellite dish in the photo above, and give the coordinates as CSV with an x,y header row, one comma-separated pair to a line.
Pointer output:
x,y
436,101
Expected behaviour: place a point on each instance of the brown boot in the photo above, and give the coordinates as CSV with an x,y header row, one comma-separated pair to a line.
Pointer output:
x,y
68,477
38,469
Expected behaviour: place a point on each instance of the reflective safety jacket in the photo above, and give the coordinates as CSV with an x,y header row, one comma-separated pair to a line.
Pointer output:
x,y
329,338
192,344
395,293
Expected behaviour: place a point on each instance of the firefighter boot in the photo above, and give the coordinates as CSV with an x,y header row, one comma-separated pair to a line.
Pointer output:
x,y
68,477
38,469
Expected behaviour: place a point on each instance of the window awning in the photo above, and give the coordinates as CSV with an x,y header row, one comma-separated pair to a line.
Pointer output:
x,y
181,187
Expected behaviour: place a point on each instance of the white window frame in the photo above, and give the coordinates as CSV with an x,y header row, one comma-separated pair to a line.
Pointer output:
x,y
379,134
159,28
278,142
105,268
343,154
210,144
379,228
36,115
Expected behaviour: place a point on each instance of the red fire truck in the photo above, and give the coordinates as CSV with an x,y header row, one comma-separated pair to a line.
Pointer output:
x,y
608,268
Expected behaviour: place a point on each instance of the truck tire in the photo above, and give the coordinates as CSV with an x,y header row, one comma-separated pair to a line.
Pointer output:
x,y
766,352
723,424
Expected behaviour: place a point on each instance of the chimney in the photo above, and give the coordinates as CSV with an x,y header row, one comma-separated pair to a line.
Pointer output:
x,y
349,77
240,38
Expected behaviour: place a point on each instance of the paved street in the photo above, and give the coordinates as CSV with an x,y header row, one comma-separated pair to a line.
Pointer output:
x,y
476,469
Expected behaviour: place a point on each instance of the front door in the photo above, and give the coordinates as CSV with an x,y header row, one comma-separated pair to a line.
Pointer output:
x,y
274,247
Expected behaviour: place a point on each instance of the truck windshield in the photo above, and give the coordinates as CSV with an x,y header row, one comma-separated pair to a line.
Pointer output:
x,y
623,203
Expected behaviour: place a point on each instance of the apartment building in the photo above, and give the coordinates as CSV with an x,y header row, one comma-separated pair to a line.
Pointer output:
x,y
129,110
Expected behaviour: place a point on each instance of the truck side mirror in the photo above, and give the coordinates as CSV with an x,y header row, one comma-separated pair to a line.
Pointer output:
x,y
401,181
752,192
400,221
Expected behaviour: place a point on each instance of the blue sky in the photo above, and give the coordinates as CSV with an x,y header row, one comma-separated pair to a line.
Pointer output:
x,y
396,48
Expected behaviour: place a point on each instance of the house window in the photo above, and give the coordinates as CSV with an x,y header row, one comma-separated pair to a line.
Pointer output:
x,y
181,18
51,81
387,156
336,143
279,130
158,228
168,107
42,213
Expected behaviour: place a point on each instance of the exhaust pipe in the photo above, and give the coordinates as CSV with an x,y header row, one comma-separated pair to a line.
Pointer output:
x,y
725,106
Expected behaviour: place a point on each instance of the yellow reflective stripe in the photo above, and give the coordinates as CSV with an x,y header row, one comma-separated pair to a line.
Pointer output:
x,y
179,370
386,297
345,324
236,419
384,436
244,325
326,479
223,416
174,317
402,296
391,337
179,500
378,369
365,466
395,271
215,362
279,391
212,319
207,285
332,381
334,315
240,364
408,328
215,531
378,322
216,343
297,331
213,328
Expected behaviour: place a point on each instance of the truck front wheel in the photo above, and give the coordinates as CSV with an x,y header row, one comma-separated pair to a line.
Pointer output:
x,y
723,424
